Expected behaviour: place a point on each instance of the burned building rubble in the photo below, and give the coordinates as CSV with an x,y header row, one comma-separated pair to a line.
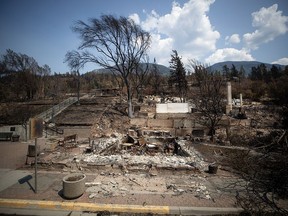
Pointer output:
x,y
153,153
132,160
163,139
139,162
129,151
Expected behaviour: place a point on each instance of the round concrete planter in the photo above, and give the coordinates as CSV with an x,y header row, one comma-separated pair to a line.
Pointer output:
x,y
74,185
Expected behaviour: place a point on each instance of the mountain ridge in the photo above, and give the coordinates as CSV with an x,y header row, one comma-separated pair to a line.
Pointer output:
x,y
247,65
163,70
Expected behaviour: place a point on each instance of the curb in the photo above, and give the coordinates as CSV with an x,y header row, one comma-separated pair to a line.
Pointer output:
x,y
181,210
116,208
78,206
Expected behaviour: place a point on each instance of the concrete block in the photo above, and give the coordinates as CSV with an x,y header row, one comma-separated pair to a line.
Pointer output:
x,y
172,115
178,123
138,122
172,108
142,114
188,123
164,123
182,132
161,108
183,123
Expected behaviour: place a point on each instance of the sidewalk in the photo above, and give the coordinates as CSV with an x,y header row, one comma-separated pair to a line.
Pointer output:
x,y
77,208
17,190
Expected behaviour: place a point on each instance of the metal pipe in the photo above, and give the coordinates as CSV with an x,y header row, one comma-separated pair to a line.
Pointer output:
x,y
36,165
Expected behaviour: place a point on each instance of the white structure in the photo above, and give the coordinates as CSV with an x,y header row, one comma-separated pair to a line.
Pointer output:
x,y
172,108
229,98
237,102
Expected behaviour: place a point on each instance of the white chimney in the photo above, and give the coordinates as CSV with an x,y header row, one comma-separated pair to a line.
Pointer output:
x,y
229,98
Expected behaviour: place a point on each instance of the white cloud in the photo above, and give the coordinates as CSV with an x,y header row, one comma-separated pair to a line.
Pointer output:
x,y
161,49
233,39
186,29
151,22
282,61
135,18
269,24
229,54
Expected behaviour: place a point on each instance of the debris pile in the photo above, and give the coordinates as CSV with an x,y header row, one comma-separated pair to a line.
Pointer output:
x,y
117,184
110,120
152,148
135,151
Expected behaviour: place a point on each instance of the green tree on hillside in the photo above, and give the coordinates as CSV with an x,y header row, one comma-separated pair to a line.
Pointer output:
x,y
177,76
234,72
155,80
226,72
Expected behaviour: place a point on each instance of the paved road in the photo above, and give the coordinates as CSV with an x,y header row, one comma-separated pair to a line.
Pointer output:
x,y
13,154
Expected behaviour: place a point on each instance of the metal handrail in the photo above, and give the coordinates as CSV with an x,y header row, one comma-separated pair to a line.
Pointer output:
x,y
56,109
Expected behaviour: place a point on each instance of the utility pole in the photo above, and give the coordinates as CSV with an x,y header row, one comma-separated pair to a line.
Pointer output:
x,y
36,152
78,87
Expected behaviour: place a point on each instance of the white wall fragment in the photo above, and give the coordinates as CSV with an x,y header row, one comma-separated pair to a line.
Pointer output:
x,y
172,108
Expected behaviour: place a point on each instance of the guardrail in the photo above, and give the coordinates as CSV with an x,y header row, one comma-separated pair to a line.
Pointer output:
x,y
55,110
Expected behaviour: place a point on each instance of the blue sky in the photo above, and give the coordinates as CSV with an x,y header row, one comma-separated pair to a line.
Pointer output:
x,y
208,31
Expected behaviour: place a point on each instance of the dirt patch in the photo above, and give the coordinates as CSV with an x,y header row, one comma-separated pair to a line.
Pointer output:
x,y
104,116
18,113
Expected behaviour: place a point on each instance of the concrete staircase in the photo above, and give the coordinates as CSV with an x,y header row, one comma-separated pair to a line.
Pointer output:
x,y
55,110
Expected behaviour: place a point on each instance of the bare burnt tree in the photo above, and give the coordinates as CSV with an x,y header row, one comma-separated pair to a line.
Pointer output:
x,y
25,71
140,78
118,44
209,99
264,171
76,84
44,73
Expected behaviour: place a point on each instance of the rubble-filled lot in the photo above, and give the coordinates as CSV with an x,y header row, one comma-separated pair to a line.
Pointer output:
x,y
148,166
110,152
173,188
122,174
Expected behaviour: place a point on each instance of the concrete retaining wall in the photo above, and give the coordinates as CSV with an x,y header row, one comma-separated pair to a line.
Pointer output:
x,y
177,127
160,123
19,130
139,122
183,123
81,131
172,115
